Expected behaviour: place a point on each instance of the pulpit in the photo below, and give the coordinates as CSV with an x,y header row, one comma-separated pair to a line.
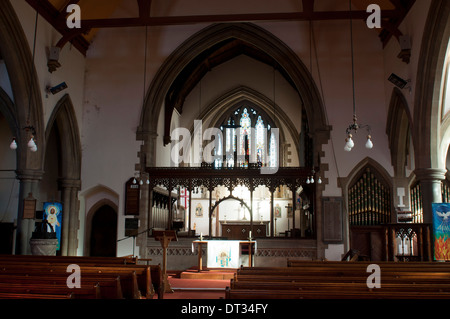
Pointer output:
x,y
165,237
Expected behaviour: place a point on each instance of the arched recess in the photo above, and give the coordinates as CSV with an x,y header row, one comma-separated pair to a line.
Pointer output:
x,y
64,123
107,232
354,175
252,40
398,130
92,199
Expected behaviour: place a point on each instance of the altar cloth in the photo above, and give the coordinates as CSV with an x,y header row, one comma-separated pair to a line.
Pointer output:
x,y
223,254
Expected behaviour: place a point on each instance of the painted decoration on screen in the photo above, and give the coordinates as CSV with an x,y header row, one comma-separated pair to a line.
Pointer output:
x,y
53,215
441,231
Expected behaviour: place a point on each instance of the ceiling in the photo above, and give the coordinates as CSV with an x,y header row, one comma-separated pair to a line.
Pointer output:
x,y
97,14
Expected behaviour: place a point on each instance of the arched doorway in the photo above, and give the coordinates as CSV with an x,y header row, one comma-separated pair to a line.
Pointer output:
x,y
104,232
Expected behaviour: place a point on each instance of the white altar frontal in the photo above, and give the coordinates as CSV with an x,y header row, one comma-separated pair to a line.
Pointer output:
x,y
225,253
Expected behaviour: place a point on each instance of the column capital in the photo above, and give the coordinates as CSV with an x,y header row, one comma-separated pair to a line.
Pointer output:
x,y
69,183
29,174
430,174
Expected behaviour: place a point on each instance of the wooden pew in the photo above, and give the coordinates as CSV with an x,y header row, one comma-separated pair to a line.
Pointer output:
x,y
107,287
33,296
288,294
337,287
330,280
85,292
101,261
136,280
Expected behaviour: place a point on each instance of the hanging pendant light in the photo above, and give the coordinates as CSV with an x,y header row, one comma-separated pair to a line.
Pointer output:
x,y
349,144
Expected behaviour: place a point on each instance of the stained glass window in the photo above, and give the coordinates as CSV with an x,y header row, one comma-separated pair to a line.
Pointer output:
x,y
265,143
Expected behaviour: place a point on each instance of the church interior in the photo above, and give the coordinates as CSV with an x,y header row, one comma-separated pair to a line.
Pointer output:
x,y
198,137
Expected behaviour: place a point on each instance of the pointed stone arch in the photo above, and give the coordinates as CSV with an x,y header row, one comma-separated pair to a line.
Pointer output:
x,y
93,198
398,129
429,167
254,36
16,52
63,119
428,95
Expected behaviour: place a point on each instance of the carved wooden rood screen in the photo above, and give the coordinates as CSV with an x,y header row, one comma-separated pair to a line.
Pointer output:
x,y
208,177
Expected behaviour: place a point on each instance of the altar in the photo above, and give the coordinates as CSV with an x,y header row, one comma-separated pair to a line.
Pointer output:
x,y
241,230
225,253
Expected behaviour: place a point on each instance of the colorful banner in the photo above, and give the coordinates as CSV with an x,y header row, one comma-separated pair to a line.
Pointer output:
x,y
441,231
53,215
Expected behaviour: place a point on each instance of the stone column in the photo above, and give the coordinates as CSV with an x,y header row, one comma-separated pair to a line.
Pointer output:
x,y
71,218
29,183
431,188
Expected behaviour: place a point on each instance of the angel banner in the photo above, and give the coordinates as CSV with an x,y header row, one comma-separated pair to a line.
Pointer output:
x,y
441,231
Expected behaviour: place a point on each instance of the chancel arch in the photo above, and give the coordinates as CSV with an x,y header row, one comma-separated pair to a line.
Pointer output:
x,y
190,56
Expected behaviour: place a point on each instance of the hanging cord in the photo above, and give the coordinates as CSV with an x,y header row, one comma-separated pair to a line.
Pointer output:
x,y
353,67
145,64
31,68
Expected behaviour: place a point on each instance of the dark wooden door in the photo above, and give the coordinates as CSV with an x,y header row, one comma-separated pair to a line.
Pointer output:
x,y
104,232
370,241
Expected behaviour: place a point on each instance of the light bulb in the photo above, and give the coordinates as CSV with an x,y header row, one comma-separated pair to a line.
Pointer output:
x,y
148,181
31,143
350,142
134,181
312,180
13,144
33,148
141,182
348,149
319,180
308,181
369,143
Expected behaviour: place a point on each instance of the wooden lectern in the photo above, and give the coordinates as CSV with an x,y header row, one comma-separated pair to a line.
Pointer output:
x,y
165,237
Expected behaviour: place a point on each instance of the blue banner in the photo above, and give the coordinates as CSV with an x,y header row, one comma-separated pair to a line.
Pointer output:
x,y
53,215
